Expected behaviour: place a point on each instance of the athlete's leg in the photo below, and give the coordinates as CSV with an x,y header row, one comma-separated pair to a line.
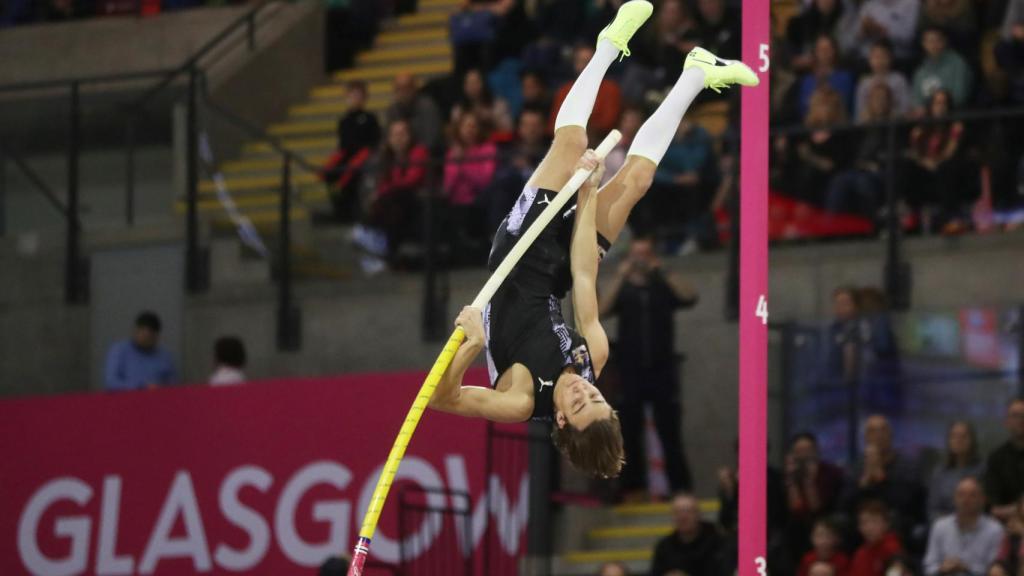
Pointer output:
x,y
620,194
570,124
618,197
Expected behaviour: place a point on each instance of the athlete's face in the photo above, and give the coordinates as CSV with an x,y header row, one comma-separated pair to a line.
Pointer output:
x,y
579,403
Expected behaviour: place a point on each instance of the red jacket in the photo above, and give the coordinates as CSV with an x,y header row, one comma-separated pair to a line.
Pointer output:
x,y
870,559
839,561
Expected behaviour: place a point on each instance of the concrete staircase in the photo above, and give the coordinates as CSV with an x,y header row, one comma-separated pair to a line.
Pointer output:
x,y
416,43
625,533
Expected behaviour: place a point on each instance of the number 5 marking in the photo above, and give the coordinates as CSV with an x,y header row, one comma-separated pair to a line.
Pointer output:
x,y
762,55
762,566
762,309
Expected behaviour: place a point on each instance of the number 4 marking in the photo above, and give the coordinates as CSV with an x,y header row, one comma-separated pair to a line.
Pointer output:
x,y
762,566
762,309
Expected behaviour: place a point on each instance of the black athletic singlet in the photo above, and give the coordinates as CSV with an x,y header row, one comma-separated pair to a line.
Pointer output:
x,y
524,322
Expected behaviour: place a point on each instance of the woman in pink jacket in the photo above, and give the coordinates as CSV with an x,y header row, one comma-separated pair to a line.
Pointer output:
x,y
468,169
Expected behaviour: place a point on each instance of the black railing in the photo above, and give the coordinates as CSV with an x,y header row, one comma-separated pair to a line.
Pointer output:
x,y
435,538
896,269
75,266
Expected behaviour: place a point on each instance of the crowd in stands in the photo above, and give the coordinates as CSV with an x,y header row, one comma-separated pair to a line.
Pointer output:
x,y
834,63
886,515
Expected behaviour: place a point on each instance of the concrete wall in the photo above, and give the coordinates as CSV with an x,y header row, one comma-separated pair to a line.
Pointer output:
x,y
110,45
374,324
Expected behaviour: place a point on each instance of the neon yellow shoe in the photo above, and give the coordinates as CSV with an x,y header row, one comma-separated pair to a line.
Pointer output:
x,y
630,17
719,73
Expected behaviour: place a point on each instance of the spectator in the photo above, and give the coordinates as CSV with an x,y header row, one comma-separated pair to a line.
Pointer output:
x,y
400,175
1009,51
468,169
474,32
517,162
818,18
880,62
358,137
942,69
1004,483
961,461
1011,551
629,124
491,112
825,72
335,566
843,337
957,18
229,360
139,362
720,27
935,169
417,110
535,91
892,20
644,296
900,565
858,189
880,542
967,541
822,152
813,488
607,107
660,48
694,547
826,550
613,569
884,476
821,569
1000,569
683,188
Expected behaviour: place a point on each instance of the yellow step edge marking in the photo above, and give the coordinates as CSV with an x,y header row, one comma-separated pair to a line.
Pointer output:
x,y
290,128
257,182
436,3
423,18
440,33
588,556
378,88
255,202
630,531
237,166
386,54
706,507
292,144
260,219
377,73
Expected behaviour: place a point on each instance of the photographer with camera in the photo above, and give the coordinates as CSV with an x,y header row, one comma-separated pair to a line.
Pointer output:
x,y
813,488
644,296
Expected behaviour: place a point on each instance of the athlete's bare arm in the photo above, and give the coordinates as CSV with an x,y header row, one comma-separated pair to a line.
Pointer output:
x,y
509,405
584,258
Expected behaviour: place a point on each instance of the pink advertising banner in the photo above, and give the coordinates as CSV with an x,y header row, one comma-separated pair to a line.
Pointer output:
x,y
262,478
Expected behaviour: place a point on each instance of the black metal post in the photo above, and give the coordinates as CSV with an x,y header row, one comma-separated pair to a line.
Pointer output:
x,y
288,321
3,195
434,296
250,30
73,293
194,277
1020,351
129,169
732,278
897,272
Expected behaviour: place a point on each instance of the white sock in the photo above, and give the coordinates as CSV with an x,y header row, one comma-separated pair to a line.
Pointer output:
x,y
654,137
579,102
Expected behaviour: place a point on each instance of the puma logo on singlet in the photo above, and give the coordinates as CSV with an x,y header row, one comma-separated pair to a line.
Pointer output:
x,y
544,383
543,201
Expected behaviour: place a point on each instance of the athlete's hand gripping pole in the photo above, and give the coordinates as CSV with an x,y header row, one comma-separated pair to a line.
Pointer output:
x,y
412,419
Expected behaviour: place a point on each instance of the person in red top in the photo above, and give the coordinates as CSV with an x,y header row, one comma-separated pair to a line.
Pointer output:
x,y
607,107
402,169
936,172
825,538
880,542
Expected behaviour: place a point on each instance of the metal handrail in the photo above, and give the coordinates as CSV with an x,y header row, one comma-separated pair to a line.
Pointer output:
x,y
36,180
82,80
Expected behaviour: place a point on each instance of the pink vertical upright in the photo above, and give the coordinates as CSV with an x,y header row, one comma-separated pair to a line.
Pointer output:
x,y
753,303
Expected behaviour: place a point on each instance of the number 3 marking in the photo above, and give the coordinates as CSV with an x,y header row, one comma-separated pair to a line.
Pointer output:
x,y
762,55
762,566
